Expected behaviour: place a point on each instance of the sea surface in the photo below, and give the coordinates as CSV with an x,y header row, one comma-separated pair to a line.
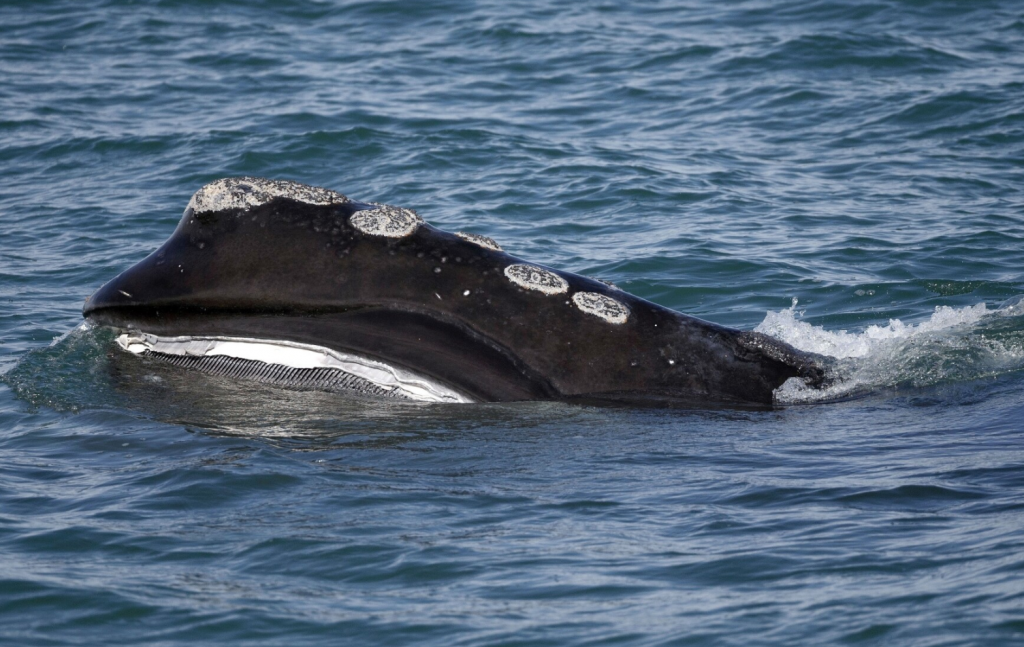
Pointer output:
x,y
846,176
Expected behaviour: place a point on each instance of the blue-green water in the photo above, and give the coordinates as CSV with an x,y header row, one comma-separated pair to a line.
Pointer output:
x,y
720,158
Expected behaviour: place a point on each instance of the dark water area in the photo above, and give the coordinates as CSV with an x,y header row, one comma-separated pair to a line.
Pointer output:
x,y
846,176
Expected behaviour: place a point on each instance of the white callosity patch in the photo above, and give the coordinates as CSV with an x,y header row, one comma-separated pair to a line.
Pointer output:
x,y
298,356
482,241
248,192
536,278
602,306
386,220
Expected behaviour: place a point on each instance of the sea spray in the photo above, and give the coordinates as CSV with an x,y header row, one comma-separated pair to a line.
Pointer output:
x,y
953,344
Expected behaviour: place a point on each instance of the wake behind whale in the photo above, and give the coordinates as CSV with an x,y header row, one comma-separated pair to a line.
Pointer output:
x,y
953,345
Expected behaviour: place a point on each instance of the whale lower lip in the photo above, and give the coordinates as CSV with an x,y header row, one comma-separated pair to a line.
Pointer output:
x,y
290,364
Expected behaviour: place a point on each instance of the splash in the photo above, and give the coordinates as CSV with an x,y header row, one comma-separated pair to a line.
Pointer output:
x,y
954,344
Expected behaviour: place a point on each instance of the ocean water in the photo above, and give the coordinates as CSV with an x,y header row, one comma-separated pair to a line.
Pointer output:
x,y
847,176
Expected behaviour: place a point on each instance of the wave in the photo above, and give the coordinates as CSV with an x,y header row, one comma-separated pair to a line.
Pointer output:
x,y
952,345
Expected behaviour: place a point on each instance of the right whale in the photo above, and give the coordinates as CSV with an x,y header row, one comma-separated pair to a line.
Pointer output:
x,y
298,285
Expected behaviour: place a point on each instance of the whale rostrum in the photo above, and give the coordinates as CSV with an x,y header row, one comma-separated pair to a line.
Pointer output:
x,y
269,278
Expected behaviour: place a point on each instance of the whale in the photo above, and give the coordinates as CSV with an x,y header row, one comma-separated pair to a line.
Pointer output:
x,y
298,285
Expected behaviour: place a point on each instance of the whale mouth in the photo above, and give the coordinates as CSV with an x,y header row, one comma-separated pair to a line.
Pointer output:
x,y
290,365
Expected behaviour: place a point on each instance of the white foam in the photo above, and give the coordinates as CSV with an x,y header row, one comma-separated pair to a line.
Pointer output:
x,y
82,327
784,325
951,345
